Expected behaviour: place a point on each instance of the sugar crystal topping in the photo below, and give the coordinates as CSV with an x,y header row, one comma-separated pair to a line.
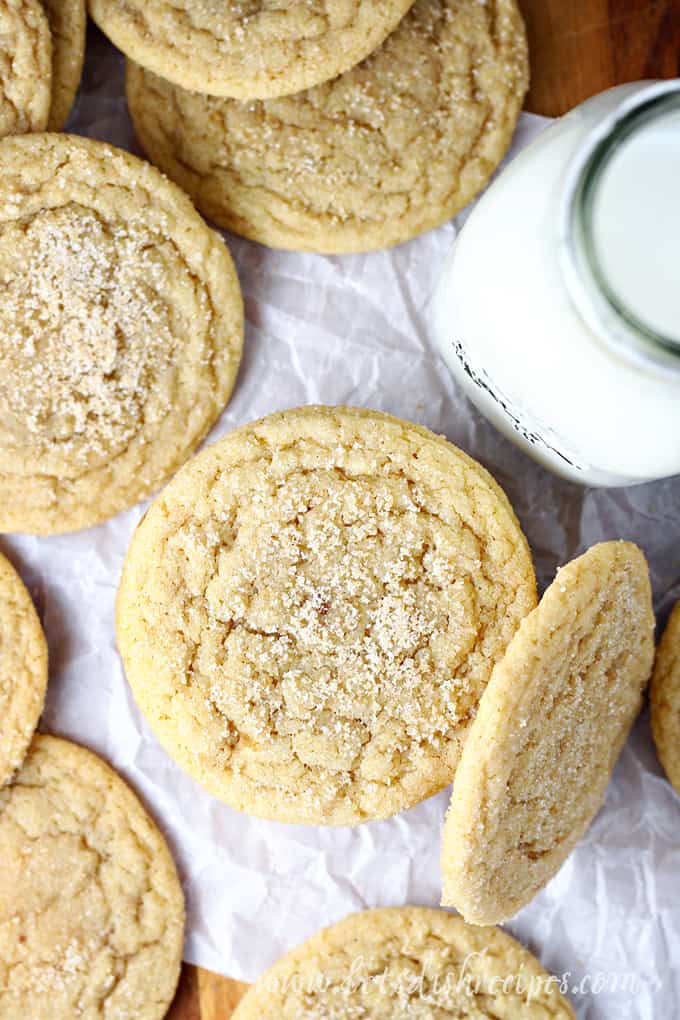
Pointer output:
x,y
87,333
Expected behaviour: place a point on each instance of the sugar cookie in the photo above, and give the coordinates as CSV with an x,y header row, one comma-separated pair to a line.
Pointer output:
x,y
665,699
25,67
68,22
310,611
91,910
245,49
121,326
23,670
406,962
549,729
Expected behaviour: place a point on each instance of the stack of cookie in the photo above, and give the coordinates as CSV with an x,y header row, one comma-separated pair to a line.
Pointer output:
x,y
42,47
288,126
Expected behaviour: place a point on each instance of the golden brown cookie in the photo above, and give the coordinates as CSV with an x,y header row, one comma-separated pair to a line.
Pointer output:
x,y
550,727
392,964
91,910
665,699
25,67
392,148
310,611
244,48
121,326
68,20
23,670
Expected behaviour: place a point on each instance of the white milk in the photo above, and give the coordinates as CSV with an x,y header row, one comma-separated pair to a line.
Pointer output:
x,y
560,348
640,198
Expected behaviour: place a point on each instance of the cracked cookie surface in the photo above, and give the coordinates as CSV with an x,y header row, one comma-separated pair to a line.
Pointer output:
x,y
550,726
393,148
23,670
406,962
91,910
664,698
68,21
309,612
121,327
247,48
25,67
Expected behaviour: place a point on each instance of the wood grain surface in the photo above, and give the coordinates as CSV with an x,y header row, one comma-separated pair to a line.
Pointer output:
x,y
578,48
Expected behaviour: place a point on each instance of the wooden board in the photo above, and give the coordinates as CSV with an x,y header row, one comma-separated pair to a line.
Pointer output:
x,y
578,48
205,996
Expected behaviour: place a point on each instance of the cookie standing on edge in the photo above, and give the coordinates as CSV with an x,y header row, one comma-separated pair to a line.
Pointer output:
x,y
121,327
91,909
23,670
664,697
309,612
394,147
550,726
236,48
407,961
68,23
25,67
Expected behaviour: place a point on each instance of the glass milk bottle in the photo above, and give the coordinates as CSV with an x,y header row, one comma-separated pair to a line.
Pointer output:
x,y
558,309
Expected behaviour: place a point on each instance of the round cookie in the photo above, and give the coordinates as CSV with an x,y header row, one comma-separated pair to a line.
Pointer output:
x,y
91,909
309,613
25,67
405,962
550,726
121,329
246,49
68,22
664,698
23,670
393,148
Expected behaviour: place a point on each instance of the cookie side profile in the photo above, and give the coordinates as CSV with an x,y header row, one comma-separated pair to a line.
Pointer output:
x,y
392,148
406,961
68,23
25,67
664,696
550,726
309,613
121,330
243,50
91,909
23,670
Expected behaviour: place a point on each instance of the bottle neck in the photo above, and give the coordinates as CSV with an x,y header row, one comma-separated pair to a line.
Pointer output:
x,y
620,229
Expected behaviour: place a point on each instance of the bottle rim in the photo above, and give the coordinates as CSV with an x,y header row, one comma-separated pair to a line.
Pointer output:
x,y
595,301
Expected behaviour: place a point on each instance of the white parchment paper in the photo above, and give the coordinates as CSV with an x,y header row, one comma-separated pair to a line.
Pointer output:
x,y
354,330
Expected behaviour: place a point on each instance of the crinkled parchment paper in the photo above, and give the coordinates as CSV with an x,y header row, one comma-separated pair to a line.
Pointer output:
x,y
354,330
